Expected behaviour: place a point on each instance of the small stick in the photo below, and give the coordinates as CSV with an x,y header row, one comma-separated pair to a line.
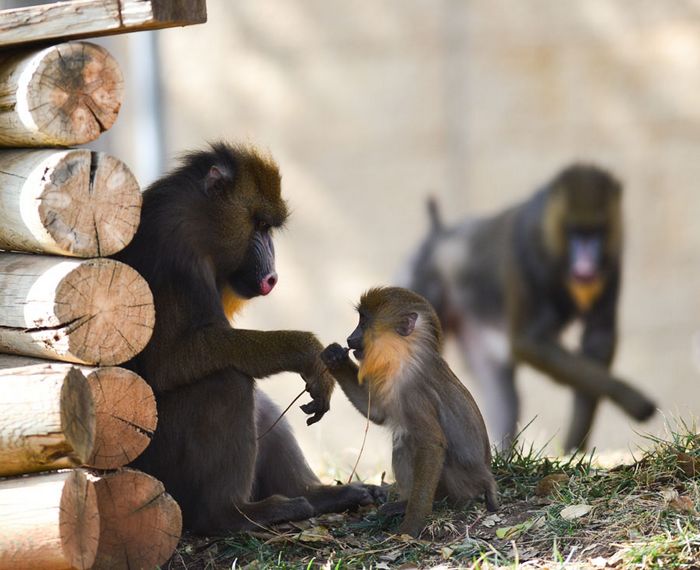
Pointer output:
x,y
268,430
251,521
364,437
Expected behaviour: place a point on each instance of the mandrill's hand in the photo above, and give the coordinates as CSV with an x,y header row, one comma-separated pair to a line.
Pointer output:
x,y
334,356
319,384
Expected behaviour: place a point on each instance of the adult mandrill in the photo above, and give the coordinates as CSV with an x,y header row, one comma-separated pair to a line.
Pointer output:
x,y
205,246
509,284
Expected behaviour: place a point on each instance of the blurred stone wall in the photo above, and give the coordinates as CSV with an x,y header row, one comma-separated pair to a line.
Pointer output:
x,y
368,106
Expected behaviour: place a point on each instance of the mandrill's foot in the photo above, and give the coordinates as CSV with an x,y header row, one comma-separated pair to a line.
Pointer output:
x,y
412,527
339,498
633,401
393,509
380,493
276,509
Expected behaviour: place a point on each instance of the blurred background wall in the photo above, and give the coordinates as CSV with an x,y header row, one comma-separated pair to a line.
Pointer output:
x,y
369,106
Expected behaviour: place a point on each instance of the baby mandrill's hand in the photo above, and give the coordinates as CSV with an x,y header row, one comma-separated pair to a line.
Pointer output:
x,y
334,356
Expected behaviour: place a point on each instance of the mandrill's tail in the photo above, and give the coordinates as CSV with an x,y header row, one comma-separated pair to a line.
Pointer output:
x,y
436,225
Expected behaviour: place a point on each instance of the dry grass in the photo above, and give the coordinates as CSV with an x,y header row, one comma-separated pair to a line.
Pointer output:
x,y
555,513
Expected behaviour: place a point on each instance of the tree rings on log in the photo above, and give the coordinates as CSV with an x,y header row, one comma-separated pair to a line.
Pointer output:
x,y
62,95
67,202
140,523
126,416
49,522
95,311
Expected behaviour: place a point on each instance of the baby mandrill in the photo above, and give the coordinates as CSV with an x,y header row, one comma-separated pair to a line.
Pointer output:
x,y
440,445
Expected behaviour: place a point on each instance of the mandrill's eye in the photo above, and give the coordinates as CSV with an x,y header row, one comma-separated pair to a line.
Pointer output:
x,y
363,320
262,226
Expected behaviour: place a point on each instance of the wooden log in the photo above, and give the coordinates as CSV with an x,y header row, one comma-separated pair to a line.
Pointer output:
x,y
47,418
140,523
126,416
62,95
86,18
94,311
120,428
67,202
48,522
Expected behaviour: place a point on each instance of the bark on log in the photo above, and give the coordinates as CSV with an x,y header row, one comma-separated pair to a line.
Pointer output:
x,y
47,418
126,416
95,311
48,522
68,202
62,95
140,524
85,18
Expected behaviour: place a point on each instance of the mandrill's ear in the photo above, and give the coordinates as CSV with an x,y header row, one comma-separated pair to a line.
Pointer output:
x,y
214,178
408,323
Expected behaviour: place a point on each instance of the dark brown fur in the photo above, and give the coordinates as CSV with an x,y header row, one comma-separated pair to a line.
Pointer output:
x,y
440,445
506,286
204,245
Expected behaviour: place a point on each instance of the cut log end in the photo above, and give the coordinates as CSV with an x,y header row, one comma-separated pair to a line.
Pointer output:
x,y
76,92
68,202
78,418
126,416
66,94
107,309
90,204
50,522
93,311
79,521
140,523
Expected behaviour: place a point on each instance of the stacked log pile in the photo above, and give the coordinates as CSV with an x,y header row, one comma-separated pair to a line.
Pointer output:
x,y
70,417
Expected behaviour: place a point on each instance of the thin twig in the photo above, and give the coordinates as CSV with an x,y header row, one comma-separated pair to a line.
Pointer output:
x,y
266,529
364,437
268,430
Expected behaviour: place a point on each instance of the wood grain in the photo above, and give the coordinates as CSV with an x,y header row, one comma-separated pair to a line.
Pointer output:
x,y
89,18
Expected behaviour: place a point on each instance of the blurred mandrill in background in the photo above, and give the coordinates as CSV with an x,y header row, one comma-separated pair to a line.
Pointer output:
x,y
508,285
440,445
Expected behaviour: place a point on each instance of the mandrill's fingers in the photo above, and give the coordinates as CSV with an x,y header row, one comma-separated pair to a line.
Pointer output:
x,y
334,355
313,419
313,408
320,384
320,388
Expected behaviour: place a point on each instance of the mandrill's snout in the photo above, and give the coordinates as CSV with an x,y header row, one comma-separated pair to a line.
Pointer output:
x,y
268,283
355,342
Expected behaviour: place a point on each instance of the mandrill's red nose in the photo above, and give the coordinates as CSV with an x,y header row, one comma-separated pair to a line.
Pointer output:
x,y
268,283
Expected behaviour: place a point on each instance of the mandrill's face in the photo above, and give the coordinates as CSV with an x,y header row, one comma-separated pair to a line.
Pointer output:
x,y
583,230
356,338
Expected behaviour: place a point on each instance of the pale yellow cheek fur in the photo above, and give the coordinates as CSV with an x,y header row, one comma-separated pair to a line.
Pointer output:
x,y
384,355
231,302
585,294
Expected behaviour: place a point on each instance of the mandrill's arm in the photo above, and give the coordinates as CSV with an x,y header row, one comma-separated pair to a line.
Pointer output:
x,y
537,345
336,358
598,344
211,348
582,374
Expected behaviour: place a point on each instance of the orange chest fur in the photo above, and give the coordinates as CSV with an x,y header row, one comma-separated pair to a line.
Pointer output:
x,y
231,302
585,294
385,355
